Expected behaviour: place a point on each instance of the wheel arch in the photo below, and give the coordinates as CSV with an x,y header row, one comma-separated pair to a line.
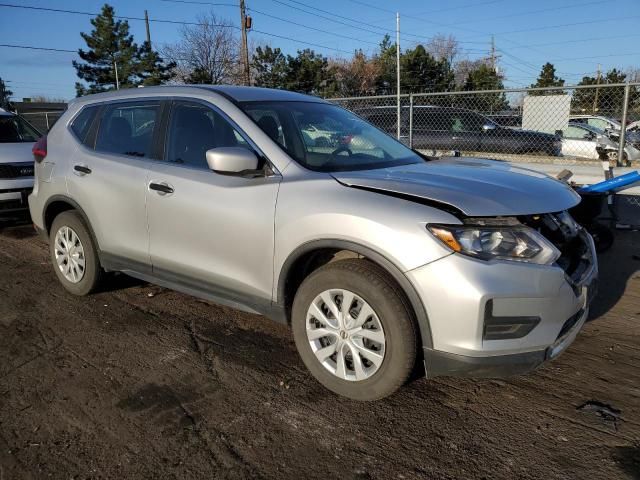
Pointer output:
x,y
61,203
303,257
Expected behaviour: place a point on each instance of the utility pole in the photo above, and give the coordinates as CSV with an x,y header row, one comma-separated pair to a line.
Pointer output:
x,y
595,98
146,23
245,50
493,56
115,66
398,69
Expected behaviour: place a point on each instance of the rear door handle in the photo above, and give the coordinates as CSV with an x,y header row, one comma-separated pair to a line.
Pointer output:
x,y
161,188
82,169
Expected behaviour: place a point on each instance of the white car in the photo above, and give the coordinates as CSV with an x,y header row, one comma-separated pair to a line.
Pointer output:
x,y
17,137
580,140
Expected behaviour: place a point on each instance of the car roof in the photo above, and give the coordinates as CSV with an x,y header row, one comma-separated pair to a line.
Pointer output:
x,y
232,92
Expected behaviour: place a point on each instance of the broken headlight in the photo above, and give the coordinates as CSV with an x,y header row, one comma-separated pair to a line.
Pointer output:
x,y
508,240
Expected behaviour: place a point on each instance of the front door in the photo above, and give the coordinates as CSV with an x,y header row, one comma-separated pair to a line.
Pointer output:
x,y
210,231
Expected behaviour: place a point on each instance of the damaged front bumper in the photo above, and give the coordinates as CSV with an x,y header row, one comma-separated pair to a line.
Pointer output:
x,y
462,295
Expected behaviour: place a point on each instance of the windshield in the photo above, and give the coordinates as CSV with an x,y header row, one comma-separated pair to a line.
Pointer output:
x,y
14,129
327,138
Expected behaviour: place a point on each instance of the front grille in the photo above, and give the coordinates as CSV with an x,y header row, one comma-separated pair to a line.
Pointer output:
x,y
560,229
16,170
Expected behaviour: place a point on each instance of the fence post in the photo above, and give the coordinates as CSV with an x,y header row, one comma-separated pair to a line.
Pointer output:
x,y
46,118
623,127
411,120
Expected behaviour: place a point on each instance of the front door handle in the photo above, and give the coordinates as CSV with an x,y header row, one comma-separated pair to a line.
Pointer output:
x,y
82,169
161,188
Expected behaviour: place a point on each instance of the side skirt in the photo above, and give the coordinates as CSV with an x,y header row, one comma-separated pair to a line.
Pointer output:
x,y
195,288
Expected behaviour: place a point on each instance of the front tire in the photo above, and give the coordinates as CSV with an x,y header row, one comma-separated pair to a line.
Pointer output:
x,y
354,329
74,254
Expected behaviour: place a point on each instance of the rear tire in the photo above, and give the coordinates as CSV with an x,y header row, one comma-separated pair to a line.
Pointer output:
x,y
74,254
374,333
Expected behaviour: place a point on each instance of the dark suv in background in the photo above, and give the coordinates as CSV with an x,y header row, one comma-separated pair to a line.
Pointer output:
x,y
447,128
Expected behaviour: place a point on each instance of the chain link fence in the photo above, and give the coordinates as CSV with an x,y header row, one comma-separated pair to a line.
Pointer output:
x,y
582,124
43,121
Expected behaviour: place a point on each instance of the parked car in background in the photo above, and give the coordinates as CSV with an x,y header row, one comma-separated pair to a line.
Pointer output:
x,y
581,140
17,137
634,126
606,123
446,128
376,256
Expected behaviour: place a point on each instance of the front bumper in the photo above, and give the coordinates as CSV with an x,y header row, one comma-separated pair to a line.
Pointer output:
x,y
456,291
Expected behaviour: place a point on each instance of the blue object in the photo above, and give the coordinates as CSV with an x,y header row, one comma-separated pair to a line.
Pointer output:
x,y
613,185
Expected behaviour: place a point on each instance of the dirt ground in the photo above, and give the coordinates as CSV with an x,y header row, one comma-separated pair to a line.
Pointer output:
x,y
143,382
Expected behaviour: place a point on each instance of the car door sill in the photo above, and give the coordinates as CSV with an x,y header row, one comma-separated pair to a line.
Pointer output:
x,y
214,293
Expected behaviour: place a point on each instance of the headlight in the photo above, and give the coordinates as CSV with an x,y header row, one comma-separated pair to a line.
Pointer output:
x,y
489,242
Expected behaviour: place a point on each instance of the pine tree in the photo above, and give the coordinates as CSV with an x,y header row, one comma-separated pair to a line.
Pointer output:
x,y
113,58
152,70
270,67
111,47
548,78
421,72
5,96
484,78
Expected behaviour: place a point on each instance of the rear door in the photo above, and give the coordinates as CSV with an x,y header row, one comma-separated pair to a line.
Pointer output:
x,y
109,174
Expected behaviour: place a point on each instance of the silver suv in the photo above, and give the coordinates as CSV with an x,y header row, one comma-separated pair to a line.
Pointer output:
x,y
286,205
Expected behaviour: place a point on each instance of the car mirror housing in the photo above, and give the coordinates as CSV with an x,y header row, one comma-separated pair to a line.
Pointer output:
x,y
231,160
488,126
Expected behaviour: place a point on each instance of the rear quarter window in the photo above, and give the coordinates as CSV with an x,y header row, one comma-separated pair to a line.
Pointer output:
x,y
82,123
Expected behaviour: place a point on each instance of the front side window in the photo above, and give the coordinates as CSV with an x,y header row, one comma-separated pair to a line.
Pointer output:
x,y
328,138
576,132
127,128
14,129
196,128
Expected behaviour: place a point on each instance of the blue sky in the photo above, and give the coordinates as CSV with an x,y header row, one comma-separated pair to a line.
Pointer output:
x,y
574,35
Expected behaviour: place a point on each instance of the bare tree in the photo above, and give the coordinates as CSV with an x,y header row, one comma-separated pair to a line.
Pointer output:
x,y
205,53
356,76
443,47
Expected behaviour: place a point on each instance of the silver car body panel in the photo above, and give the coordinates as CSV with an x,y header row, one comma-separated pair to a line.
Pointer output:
x,y
473,186
236,236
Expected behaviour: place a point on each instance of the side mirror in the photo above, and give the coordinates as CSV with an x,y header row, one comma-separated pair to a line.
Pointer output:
x,y
488,126
231,159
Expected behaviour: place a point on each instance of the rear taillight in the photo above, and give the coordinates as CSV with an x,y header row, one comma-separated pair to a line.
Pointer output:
x,y
40,149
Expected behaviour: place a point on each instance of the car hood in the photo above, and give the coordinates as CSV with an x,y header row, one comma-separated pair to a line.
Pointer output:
x,y
16,152
473,186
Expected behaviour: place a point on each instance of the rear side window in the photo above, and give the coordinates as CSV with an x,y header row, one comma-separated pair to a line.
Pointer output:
x,y
128,128
82,123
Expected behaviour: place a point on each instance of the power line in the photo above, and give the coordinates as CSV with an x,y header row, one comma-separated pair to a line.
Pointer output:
x,y
309,27
531,12
38,48
75,12
234,5
549,27
368,5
